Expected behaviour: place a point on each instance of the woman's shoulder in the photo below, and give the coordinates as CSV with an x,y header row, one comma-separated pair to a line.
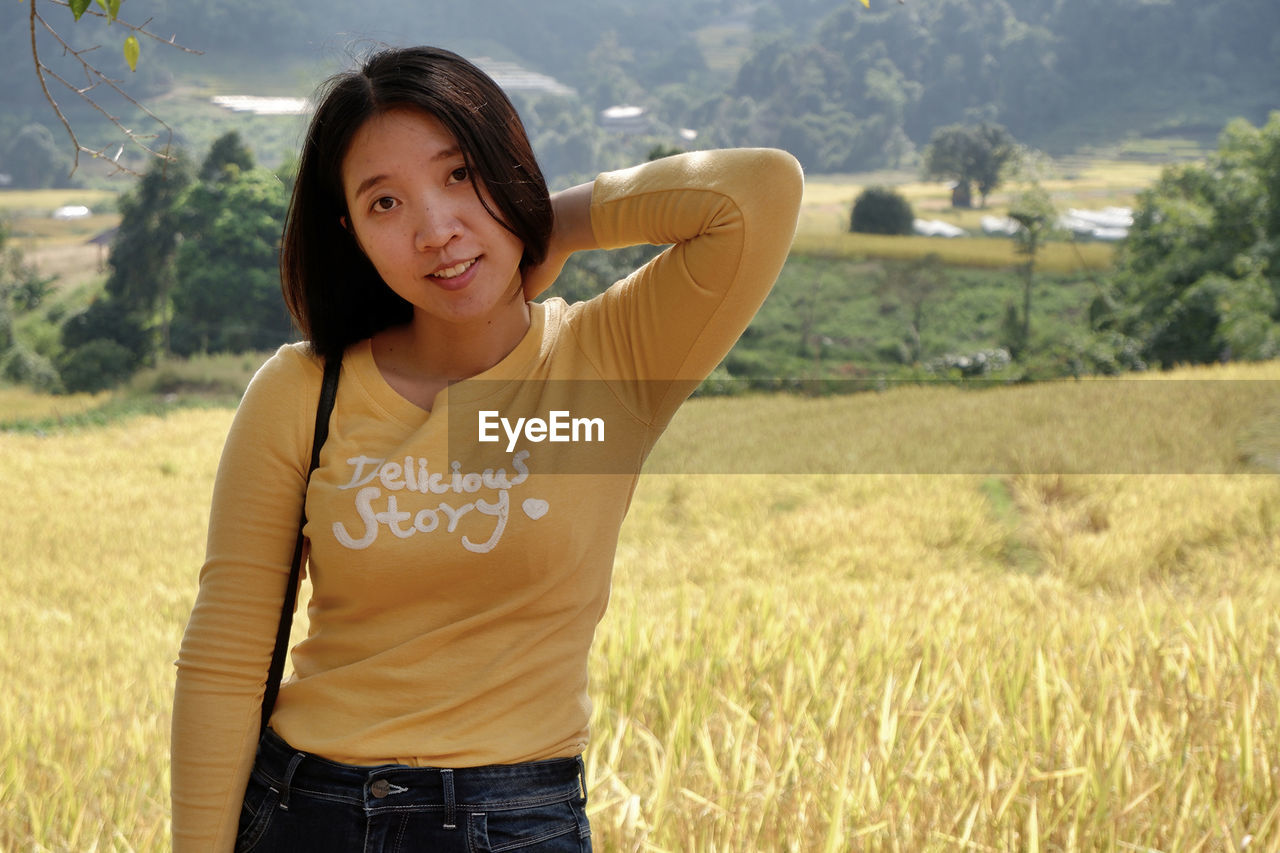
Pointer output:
x,y
292,371
561,315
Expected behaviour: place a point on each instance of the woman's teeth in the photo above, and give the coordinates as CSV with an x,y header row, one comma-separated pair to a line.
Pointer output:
x,y
454,272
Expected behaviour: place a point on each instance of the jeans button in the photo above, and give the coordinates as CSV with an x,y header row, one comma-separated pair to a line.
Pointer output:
x,y
380,788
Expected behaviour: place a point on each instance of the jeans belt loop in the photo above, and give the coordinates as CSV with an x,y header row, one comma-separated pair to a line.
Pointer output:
x,y
450,805
288,778
582,779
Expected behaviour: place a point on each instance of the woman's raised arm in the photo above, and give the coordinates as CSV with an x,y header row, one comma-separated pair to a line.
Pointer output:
x,y
730,216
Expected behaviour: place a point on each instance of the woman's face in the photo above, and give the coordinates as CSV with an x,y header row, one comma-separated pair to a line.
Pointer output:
x,y
413,208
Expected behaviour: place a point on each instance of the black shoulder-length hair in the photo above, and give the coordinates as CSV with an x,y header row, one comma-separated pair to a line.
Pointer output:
x,y
334,293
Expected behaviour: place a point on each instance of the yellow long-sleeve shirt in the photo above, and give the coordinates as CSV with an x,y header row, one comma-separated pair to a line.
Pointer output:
x,y
457,582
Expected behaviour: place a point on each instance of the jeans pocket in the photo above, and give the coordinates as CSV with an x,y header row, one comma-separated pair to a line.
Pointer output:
x,y
260,802
552,828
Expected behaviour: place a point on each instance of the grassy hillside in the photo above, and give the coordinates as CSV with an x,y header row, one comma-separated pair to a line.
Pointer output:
x,y
1022,656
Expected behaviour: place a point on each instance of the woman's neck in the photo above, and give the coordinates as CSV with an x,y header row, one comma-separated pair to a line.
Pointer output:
x,y
457,352
426,355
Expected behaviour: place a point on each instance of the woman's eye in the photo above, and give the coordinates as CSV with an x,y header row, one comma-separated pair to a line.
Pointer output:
x,y
384,203
459,175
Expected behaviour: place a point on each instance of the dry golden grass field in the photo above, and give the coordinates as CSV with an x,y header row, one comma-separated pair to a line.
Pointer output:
x,y
981,252
983,640
17,404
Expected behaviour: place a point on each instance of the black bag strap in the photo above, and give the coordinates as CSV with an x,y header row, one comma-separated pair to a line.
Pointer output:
x,y
328,393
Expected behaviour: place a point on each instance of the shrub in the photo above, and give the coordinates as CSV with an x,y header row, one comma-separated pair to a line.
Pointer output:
x,y
96,366
981,363
1109,353
880,210
893,351
108,319
721,383
748,364
24,367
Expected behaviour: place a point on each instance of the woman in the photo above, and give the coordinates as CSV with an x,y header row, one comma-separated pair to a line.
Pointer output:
x,y
458,570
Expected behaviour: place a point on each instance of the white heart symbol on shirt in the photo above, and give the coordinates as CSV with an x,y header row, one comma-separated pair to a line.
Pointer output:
x,y
535,508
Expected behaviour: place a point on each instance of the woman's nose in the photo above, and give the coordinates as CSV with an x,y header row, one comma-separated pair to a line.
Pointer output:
x,y
436,226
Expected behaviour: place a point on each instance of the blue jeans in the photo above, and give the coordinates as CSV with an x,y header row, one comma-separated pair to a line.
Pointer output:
x,y
296,801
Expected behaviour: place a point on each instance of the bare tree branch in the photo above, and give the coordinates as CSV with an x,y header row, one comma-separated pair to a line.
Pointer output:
x,y
95,78
140,29
48,96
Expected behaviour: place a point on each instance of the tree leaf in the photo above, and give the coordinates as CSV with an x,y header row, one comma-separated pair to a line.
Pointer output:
x,y
78,7
866,3
113,9
131,51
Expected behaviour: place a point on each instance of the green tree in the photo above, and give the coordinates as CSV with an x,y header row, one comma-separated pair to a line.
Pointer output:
x,y
142,253
880,210
1198,278
227,151
1034,212
34,160
227,292
969,155
132,313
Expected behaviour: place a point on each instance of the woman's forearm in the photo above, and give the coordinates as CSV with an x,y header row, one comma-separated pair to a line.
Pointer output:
x,y
570,233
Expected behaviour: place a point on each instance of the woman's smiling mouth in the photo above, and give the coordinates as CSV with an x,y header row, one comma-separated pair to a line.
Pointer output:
x,y
453,271
456,277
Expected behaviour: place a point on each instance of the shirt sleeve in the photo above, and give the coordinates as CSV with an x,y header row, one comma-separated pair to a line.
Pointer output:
x,y
226,650
731,217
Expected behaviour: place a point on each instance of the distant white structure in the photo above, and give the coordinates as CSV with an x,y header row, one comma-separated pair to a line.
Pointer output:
x,y
262,106
515,78
624,118
936,228
510,76
999,226
71,211
1110,223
